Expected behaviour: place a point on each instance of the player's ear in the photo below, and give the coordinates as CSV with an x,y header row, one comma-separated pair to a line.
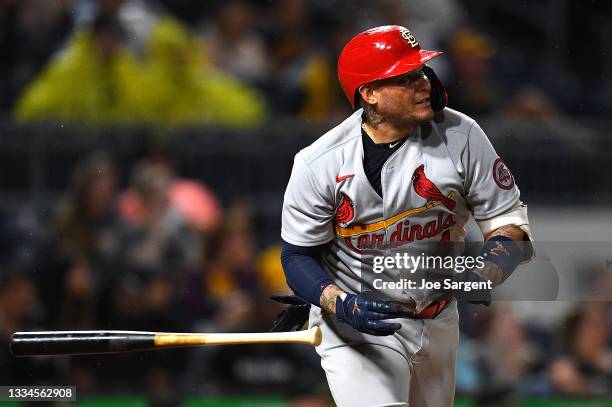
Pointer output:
x,y
367,94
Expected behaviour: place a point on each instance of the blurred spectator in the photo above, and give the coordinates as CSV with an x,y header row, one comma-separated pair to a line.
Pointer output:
x,y
433,22
198,204
137,17
301,78
185,89
223,291
30,31
17,303
230,277
531,103
270,271
95,79
85,221
87,227
234,46
158,238
17,300
473,88
585,367
507,354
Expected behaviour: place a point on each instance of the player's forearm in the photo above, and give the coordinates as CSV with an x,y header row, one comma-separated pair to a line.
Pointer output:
x,y
304,272
503,250
329,297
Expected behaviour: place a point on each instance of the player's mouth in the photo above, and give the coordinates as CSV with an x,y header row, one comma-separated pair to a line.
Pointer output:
x,y
423,102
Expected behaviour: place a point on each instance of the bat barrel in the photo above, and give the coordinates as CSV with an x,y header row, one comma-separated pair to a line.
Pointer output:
x,y
311,336
79,342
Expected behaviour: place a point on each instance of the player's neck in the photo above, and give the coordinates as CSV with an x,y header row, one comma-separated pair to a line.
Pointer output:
x,y
386,133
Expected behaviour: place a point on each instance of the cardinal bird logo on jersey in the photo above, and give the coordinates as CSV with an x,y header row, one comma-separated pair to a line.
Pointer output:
x,y
428,190
345,212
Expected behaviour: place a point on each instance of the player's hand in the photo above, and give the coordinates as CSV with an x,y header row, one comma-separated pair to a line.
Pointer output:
x,y
366,315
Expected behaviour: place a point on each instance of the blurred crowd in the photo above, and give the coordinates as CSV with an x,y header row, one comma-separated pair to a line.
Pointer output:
x,y
242,62
158,255
163,254
155,251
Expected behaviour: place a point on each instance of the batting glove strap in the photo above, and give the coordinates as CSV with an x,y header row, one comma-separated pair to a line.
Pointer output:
x,y
366,315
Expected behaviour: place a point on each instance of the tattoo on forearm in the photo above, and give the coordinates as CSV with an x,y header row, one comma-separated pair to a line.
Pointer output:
x,y
328,298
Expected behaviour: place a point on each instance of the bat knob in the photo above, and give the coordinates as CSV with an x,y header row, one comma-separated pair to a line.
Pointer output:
x,y
315,337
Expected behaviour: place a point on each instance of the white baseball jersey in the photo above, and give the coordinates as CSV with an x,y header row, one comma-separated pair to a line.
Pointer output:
x,y
445,170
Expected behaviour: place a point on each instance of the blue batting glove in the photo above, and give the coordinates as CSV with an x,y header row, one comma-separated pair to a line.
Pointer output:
x,y
366,315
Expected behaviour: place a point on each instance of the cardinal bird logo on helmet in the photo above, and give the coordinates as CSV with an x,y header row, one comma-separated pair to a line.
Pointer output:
x,y
345,212
428,190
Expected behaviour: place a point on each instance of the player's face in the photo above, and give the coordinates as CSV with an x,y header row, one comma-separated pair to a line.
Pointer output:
x,y
404,100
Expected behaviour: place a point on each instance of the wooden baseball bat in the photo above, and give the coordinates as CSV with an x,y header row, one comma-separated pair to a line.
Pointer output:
x,y
99,342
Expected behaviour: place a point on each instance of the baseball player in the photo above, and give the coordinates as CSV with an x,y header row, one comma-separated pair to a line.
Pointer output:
x,y
402,173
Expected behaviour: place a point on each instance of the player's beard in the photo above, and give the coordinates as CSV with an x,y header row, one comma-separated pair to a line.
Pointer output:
x,y
401,119
399,114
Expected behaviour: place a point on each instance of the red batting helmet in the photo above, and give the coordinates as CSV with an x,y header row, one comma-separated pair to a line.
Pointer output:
x,y
384,52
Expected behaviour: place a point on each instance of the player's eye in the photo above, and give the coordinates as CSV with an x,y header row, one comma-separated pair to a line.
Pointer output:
x,y
412,77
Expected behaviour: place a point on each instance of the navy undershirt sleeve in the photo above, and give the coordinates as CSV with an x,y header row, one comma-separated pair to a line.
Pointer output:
x,y
303,271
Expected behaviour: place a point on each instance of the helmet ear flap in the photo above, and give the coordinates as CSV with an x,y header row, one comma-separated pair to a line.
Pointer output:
x,y
438,95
